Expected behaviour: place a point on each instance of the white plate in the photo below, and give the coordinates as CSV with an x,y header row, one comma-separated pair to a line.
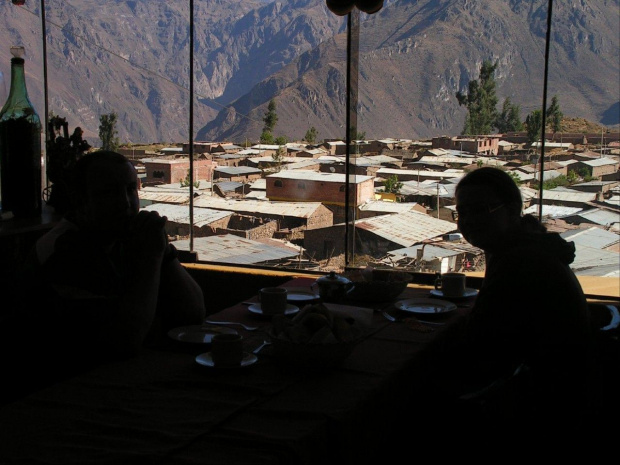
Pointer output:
x,y
290,309
469,292
206,360
301,296
425,306
199,334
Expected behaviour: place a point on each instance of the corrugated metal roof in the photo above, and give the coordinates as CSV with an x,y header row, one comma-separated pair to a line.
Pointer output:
x,y
428,187
406,228
593,237
563,195
430,252
308,175
552,211
590,261
614,200
228,248
421,173
390,207
600,216
180,213
237,170
600,162
228,186
232,156
294,209
301,163
266,147
163,197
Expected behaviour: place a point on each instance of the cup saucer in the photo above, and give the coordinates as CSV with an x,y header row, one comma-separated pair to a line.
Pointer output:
x,y
207,360
256,308
469,292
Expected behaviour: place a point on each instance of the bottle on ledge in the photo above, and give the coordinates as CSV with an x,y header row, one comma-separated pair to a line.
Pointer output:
x,y
20,147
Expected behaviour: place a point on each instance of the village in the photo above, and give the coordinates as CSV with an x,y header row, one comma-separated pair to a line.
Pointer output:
x,y
285,206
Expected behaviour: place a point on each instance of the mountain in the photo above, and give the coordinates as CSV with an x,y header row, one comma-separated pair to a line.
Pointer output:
x,y
415,56
132,57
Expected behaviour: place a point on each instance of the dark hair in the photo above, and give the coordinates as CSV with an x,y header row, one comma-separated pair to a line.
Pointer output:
x,y
506,190
79,186
499,181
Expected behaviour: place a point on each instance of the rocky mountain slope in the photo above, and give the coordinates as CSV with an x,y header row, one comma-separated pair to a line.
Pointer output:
x,y
132,57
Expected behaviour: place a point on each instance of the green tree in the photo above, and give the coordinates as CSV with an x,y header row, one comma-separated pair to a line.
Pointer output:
x,y
533,123
266,138
480,101
392,185
280,140
515,177
554,115
509,119
271,117
107,132
311,135
185,182
572,176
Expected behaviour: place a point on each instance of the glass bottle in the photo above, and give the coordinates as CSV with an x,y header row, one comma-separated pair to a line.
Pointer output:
x,y
20,147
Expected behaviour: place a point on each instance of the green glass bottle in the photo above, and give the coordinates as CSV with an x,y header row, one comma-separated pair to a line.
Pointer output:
x,y
20,147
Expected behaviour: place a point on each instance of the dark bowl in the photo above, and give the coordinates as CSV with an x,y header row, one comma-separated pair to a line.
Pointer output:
x,y
383,287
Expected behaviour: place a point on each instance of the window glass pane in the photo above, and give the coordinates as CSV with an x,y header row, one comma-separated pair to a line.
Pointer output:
x,y
413,61
282,200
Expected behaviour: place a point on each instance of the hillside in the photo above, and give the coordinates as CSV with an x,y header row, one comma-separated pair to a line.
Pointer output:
x,y
132,58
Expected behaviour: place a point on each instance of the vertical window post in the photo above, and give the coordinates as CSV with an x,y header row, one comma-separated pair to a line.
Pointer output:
x,y
351,126
191,126
544,113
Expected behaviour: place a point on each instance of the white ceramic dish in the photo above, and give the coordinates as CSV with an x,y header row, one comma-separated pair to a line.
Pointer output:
x,y
469,292
206,360
301,296
256,308
198,334
425,306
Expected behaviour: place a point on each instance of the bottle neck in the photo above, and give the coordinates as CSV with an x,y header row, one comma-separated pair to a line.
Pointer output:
x,y
18,102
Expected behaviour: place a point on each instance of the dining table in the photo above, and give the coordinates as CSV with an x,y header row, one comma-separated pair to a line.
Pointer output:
x,y
167,406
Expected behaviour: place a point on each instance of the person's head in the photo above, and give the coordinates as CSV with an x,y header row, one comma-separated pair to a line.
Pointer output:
x,y
105,193
489,204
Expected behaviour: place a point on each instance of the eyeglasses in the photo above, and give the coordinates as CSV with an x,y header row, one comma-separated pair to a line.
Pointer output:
x,y
475,210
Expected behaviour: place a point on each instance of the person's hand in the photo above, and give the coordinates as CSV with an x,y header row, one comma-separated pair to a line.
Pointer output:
x,y
147,235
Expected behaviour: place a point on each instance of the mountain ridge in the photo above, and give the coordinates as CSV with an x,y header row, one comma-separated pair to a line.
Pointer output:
x,y
132,57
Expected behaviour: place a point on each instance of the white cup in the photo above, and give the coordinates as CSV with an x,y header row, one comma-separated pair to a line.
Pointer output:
x,y
272,300
451,284
227,349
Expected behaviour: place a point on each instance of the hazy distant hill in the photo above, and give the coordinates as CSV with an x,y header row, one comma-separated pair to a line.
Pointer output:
x,y
132,57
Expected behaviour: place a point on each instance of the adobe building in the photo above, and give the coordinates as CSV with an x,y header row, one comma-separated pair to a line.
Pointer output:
x,y
169,171
327,188
310,186
485,145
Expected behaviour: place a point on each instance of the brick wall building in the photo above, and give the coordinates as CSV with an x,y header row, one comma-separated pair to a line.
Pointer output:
x,y
169,171
310,186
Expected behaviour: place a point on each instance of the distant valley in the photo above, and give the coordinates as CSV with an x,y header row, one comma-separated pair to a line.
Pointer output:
x,y
132,57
